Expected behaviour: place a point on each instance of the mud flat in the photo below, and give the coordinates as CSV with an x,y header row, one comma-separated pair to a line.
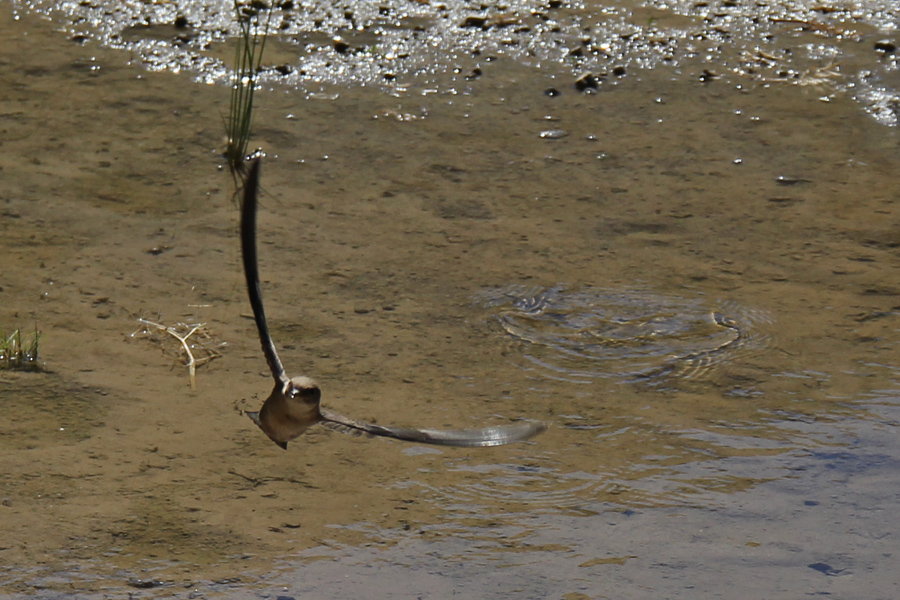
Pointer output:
x,y
396,198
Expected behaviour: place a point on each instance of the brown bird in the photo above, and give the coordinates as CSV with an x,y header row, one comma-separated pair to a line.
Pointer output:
x,y
293,406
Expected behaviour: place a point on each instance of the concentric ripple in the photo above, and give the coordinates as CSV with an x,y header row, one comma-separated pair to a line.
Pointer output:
x,y
587,333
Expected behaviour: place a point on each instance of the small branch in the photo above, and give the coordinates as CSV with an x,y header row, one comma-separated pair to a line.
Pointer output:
x,y
192,362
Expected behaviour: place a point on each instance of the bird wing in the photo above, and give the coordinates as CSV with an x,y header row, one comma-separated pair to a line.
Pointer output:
x,y
251,271
464,438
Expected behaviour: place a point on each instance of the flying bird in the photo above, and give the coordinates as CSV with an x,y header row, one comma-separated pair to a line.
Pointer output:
x,y
294,404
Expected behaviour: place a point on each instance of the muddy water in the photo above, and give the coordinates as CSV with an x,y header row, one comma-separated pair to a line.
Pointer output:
x,y
388,218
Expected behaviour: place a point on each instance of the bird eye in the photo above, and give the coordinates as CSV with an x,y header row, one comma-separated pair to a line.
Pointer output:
x,y
307,394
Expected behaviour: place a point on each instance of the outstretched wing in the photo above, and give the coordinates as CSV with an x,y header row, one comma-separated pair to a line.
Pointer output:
x,y
464,438
251,271
468,438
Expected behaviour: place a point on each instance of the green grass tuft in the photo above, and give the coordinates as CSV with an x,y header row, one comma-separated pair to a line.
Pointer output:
x,y
18,355
253,21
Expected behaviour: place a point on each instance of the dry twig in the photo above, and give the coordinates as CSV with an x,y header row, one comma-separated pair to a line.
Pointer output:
x,y
203,345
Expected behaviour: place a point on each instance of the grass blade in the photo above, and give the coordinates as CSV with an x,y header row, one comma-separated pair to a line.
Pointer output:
x,y
253,23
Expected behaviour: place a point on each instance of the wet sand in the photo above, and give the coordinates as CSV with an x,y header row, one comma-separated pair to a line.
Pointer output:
x,y
386,216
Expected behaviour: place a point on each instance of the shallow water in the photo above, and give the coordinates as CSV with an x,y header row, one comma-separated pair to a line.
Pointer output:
x,y
387,221
840,49
580,334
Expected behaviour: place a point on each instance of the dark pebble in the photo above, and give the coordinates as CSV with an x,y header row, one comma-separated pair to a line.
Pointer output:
x,y
825,568
886,46
587,82
144,584
341,46
473,21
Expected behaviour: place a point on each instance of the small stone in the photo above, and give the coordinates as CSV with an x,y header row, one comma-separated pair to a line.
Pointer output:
x,y
825,569
340,46
787,180
587,82
552,92
619,71
553,134
474,21
886,46
144,584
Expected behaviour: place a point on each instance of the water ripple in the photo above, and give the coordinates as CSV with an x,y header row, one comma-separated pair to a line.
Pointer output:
x,y
580,334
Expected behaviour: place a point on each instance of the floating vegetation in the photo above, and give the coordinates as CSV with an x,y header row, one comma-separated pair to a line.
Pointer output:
x,y
254,29
18,355
196,345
